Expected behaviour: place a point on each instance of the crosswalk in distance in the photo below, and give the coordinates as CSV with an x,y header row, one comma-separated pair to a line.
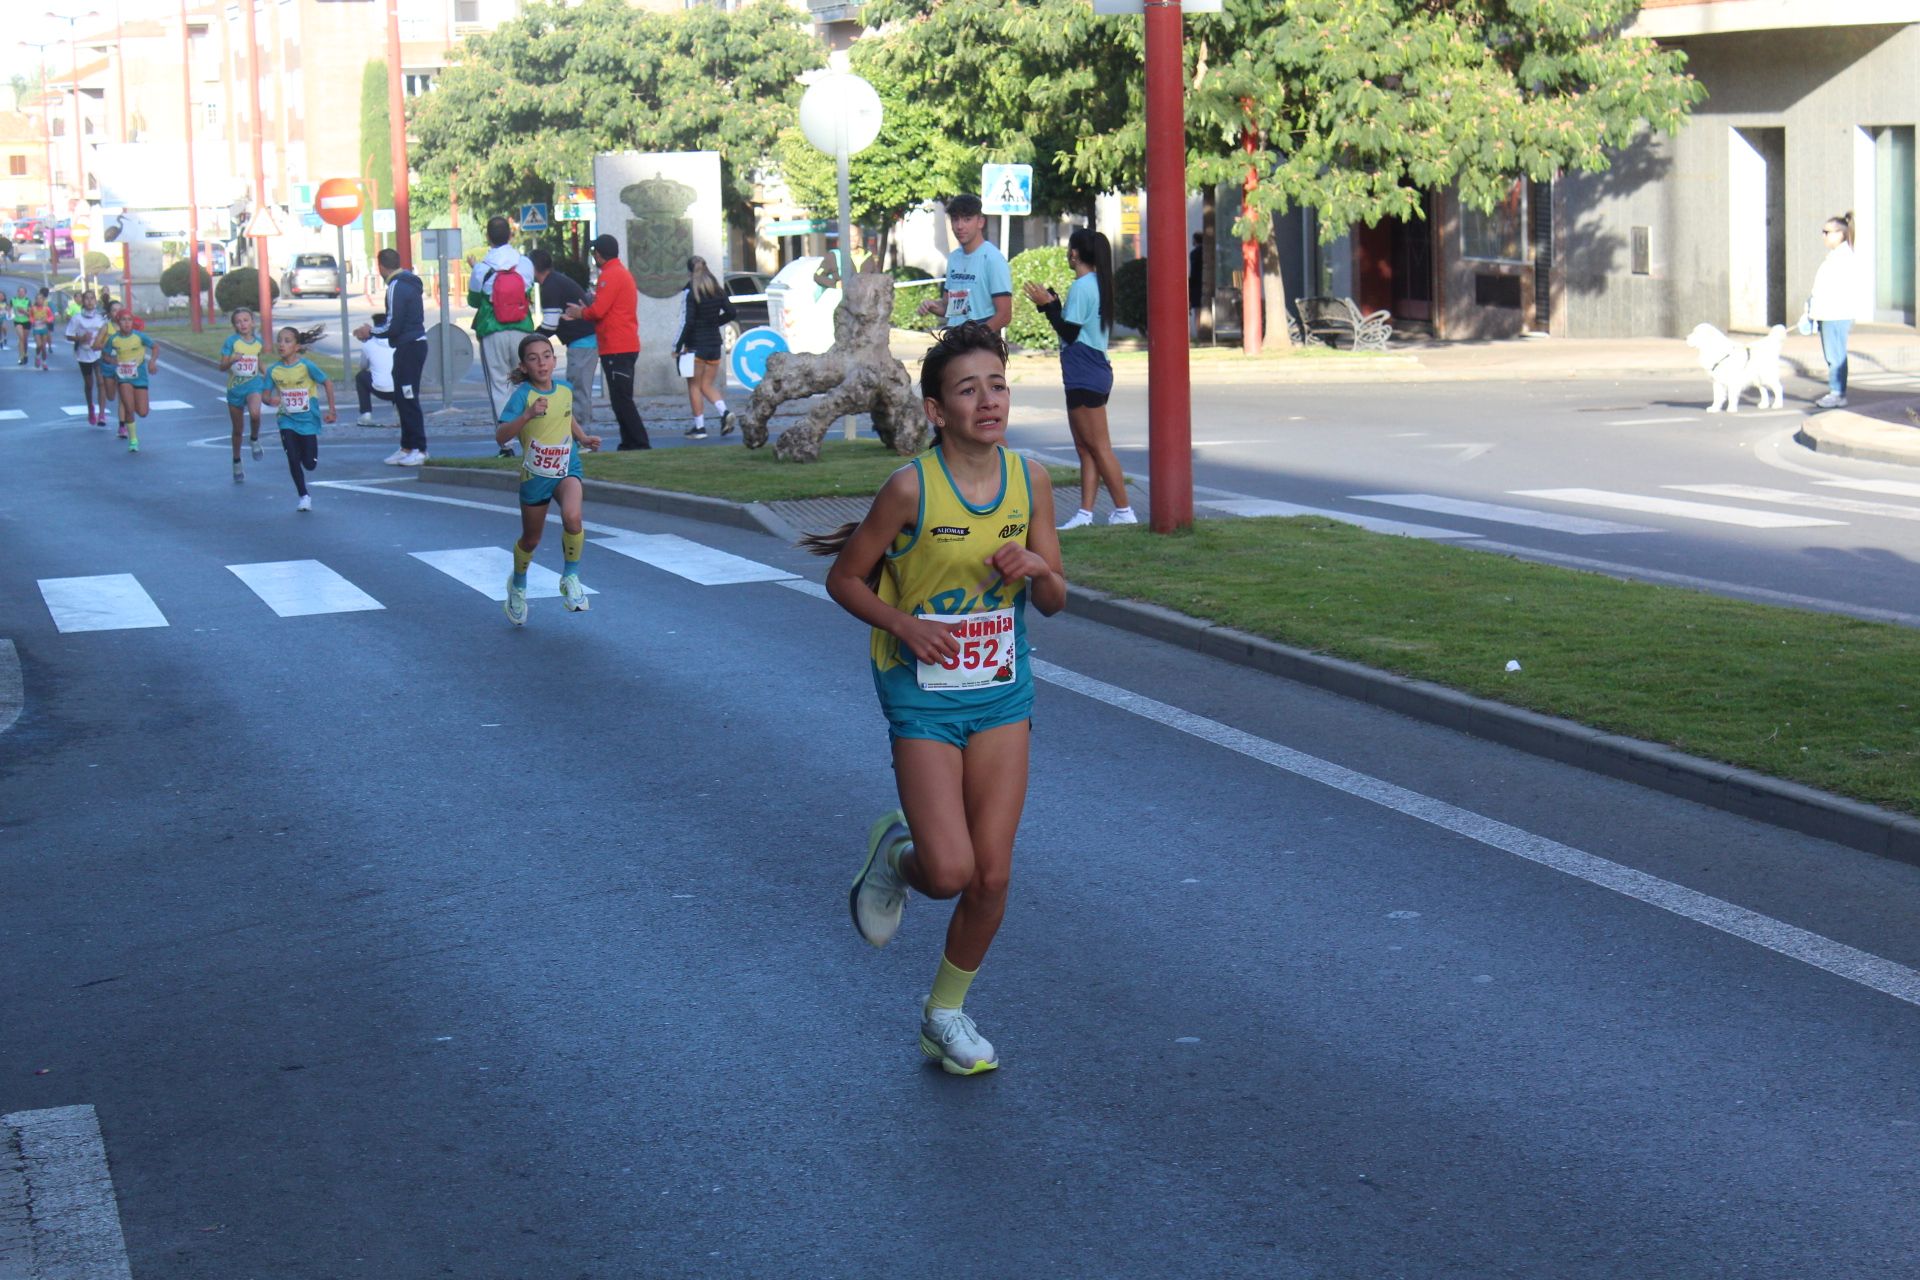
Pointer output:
x,y
309,588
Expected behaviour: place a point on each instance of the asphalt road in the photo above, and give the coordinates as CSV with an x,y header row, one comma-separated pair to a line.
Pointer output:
x,y
1628,476
397,942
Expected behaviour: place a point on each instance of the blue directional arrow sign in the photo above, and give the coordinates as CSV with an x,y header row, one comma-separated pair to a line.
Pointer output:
x,y
533,217
750,352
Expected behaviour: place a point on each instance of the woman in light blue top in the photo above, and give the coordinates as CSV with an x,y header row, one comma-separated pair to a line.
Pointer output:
x,y
1083,324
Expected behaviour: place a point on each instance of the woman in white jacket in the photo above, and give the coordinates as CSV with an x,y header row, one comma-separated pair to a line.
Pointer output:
x,y
1835,301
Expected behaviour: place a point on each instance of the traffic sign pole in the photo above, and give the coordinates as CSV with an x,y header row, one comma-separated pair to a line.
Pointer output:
x,y
1169,402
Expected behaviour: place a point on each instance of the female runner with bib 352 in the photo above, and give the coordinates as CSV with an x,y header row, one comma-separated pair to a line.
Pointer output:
x,y
942,568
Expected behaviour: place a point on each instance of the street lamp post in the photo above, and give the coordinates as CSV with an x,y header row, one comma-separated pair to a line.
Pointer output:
x,y
259,173
193,196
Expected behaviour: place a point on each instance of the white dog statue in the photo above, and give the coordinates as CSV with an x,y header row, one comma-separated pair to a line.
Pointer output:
x,y
1735,366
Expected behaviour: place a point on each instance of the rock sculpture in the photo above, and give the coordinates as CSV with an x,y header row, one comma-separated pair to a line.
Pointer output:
x,y
856,375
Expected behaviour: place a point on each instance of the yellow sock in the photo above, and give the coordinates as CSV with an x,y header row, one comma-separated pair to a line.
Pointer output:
x,y
950,985
521,558
571,545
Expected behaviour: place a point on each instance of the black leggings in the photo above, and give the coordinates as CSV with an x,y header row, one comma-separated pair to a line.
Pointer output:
x,y
303,454
87,370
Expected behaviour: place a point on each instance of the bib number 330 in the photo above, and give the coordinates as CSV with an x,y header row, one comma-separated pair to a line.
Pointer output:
x,y
986,656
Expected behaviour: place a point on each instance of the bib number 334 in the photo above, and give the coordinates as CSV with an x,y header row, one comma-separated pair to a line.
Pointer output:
x,y
986,656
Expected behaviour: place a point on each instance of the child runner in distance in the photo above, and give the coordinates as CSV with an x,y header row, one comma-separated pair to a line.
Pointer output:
x,y
241,356
539,410
109,377
41,318
942,568
293,381
133,357
1083,325
22,311
83,329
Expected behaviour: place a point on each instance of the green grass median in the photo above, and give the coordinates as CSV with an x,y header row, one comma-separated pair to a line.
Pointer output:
x,y
1814,698
847,469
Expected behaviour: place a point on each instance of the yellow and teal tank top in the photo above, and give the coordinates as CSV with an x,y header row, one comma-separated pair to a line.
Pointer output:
x,y
248,357
938,567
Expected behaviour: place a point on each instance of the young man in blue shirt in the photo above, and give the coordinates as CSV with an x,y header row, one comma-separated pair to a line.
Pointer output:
x,y
979,286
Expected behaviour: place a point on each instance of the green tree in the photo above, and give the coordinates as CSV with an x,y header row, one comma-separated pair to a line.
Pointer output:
x,y
376,145
525,107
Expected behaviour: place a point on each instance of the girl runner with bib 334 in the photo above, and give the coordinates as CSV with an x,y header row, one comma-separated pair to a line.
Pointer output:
x,y
293,382
942,568
539,410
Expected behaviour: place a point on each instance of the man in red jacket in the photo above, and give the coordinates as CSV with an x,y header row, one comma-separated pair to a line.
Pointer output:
x,y
615,313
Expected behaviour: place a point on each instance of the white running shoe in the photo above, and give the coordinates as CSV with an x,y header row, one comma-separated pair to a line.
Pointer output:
x,y
1122,515
879,895
1831,400
257,452
1080,520
413,458
395,458
949,1036
516,605
238,474
305,503
365,420
573,596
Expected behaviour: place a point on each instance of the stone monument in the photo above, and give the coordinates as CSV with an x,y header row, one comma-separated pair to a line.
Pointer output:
x,y
663,208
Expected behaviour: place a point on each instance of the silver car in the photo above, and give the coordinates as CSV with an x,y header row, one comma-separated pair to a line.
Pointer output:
x,y
312,273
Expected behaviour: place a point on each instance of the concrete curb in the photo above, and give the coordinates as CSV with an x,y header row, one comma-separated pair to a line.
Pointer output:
x,y
1719,786
1844,433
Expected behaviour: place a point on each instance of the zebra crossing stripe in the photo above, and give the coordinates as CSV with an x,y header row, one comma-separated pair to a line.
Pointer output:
x,y
1788,498
1898,488
1676,507
694,561
12,415
300,588
108,602
486,570
1254,507
58,1214
1498,514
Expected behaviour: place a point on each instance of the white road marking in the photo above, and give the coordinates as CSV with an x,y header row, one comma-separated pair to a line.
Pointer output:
x,y
13,689
696,562
1898,488
12,415
1468,452
485,569
1676,507
299,588
1254,507
1648,422
154,406
58,1216
109,602
175,371
1499,514
1715,585
1864,968
1406,435
807,587
73,410
1788,498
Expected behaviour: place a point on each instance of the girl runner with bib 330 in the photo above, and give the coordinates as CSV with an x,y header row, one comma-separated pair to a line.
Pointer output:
x,y
293,383
539,410
243,357
942,568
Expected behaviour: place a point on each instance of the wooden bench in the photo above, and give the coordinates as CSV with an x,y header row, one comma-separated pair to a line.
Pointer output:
x,y
1327,322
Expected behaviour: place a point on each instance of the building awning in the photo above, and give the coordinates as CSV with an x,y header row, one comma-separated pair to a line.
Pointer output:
x,y
1675,19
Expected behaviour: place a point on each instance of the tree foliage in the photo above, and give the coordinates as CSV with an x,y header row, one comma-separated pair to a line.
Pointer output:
x,y
376,144
525,107
241,288
1045,266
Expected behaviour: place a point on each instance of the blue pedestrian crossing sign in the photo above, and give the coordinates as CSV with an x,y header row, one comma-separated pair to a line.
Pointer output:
x,y
533,217
1006,188
750,352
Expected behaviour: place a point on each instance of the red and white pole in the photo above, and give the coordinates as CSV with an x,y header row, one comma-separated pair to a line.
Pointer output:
x,y
193,196
1169,403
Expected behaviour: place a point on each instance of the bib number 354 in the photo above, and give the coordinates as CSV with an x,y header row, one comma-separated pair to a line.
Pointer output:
x,y
986,656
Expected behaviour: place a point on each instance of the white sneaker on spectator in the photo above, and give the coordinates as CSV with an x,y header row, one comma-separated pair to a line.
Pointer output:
x,y
1080,520
1122,515
412,458
1831,400
395,458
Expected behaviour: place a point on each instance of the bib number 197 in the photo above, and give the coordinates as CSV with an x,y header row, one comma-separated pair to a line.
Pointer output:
x,y
986,656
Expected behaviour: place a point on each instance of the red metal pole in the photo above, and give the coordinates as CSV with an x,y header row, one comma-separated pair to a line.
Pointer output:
x,y
397,131
259,178
1169,406
193,197
79,156
120,71
1252,313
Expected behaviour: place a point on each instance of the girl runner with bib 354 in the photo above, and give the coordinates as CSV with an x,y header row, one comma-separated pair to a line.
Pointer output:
x,y
942,568
539,410
292,383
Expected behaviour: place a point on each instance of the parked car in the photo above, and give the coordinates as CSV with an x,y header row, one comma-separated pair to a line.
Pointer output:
x,y
747,315
312,273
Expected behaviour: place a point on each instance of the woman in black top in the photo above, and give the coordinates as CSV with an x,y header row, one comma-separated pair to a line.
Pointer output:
x,y
705,308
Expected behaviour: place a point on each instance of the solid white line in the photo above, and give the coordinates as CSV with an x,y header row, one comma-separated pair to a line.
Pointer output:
x,y
13,689
66,1222
1788,498
1255,507
1675,507
553,517
1864,968
299,588
1648,422
109,602
1498,514
694,561
1715,585
485,569
1898,488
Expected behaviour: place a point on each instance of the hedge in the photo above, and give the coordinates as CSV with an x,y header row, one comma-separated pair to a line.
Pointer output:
x,y
1130,294
1046,266
174,282
906,302
241,288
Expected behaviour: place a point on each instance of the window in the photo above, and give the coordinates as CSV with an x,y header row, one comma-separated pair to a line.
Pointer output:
x,y
466,12
417,82
16,166
1893,223
1499,235
212,112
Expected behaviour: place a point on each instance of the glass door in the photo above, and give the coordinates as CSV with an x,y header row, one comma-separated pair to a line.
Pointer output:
x,y
1893,198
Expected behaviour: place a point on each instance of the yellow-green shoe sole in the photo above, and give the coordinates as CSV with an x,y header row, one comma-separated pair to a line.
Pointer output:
x,y
951,1067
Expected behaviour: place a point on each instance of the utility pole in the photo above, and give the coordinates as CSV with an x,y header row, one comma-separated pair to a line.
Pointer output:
x,y
397,139
1169,399
46,141
259,172
193,196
